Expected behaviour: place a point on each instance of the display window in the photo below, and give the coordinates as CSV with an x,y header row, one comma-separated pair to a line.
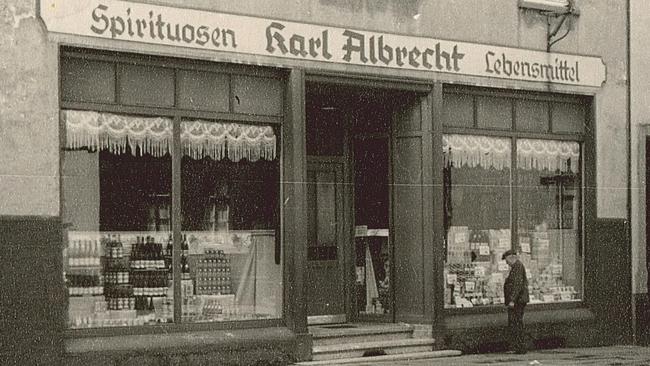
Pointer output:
x,y
117,208
484,193
229,197
478,193
548,219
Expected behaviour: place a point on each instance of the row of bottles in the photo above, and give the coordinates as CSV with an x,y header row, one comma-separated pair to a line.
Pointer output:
x,y
114,247
84,253
88,283
149,283
147,254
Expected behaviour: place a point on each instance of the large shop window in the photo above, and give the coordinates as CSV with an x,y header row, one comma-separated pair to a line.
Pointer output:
x,y
479,183
117,208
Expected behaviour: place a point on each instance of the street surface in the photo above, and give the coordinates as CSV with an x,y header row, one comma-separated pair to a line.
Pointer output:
x,y
611,356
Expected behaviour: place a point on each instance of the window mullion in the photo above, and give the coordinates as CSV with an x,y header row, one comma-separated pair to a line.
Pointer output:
x,y
176,216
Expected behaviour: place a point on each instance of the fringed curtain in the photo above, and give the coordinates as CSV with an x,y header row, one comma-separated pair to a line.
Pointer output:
x,y
551,155
105,131
476,151
236,141
144,135
492,152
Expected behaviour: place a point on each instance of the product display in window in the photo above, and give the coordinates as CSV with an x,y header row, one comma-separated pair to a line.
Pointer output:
x,y
231,275
474,272
117,279
549,218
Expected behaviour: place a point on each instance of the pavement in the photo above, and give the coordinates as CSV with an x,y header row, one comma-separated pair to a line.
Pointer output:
x,y
611,356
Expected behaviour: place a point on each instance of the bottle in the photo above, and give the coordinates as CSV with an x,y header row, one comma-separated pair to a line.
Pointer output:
x,y
170,245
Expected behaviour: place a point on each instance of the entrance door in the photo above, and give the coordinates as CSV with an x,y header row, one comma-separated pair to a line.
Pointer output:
x,y
325,218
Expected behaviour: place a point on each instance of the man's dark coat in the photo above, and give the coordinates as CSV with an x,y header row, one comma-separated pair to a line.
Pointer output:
x,y
515,289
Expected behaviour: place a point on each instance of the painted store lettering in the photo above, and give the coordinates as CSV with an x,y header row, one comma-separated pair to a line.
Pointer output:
x,y
300,46
376,51
557,70
153,27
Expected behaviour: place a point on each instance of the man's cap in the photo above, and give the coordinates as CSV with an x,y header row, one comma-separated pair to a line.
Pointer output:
x,y
508,252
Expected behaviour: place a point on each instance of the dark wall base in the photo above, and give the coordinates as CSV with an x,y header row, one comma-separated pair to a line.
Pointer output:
x,y
545,329
238,357
261,346
642,330
31,291
608,278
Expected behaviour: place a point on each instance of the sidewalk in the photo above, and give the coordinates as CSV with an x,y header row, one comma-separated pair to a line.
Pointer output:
x,y
614,355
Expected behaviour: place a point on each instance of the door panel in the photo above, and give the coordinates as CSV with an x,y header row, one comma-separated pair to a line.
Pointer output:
x,y
412,211
324,282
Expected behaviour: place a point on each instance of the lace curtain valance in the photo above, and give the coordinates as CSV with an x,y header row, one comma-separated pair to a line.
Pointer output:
x,y
145,135
472,151
492,152
548,155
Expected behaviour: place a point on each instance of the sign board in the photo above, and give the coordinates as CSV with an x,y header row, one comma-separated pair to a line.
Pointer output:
x,y
239,34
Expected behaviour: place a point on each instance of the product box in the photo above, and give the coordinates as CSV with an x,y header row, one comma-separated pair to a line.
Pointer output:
x,y
458,250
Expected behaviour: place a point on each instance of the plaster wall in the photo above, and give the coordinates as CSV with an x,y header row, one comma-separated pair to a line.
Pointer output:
x,y
640,127
29,127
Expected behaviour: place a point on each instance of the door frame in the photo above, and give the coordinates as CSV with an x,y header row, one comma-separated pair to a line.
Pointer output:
x,y
383,318
344,229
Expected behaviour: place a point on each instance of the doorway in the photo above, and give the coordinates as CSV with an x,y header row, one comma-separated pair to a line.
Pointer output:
x,y
349,255
382,140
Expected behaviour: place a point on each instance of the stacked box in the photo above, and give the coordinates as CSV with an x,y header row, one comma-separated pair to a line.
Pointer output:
x,y
479,245
212,273
541,249
458,245
500,242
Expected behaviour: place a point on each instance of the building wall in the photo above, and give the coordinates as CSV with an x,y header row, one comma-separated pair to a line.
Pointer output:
x,y
640,122
29,119
640,117
29,127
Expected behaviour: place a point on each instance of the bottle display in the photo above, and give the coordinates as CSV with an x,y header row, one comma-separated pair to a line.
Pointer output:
x,y
126,279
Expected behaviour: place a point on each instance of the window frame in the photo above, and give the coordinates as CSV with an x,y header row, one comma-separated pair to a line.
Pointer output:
x,y
177,115
585,140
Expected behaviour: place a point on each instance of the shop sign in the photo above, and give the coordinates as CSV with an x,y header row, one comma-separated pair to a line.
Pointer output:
x,y
239,34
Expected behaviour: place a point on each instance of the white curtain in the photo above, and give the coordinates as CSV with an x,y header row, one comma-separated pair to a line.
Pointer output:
x,y
145,135
495,152
548,155
472,151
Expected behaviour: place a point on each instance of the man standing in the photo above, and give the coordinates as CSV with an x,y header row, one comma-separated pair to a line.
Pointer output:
x,y
515,291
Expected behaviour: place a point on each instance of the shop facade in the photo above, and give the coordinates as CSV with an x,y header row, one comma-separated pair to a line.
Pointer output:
x,y
206,180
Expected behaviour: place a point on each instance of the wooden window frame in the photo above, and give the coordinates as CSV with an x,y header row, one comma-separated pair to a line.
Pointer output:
x,y
177,115
587,165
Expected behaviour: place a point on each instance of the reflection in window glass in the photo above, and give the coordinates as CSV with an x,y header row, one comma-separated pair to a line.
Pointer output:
x,y
548,218
116,205
477,218
229,180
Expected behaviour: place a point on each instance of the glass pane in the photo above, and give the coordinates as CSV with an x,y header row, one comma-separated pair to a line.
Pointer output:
x,y
116,206
477,219
549,219
372,244
231,268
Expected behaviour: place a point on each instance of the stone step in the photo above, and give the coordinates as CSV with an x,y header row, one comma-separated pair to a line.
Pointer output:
x,y
376,359
357,333
376,348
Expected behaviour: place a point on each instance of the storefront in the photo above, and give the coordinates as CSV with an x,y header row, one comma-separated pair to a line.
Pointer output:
x,y
227,180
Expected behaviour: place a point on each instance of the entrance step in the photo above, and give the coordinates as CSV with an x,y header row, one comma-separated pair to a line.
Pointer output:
x,y
374,348
373,359
345,334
